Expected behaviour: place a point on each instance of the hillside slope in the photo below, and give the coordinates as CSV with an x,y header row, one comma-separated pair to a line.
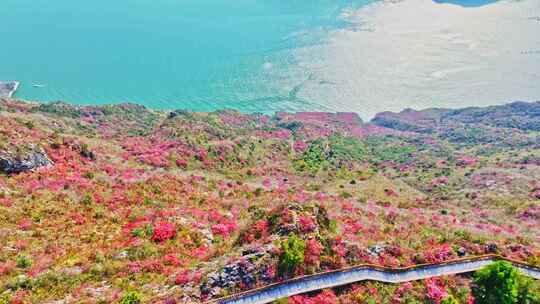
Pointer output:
x,y
101,202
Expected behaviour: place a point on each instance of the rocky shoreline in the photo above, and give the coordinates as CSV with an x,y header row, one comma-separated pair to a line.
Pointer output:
x,y
8,88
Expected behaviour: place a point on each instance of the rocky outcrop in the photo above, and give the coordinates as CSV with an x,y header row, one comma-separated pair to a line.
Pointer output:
x,y
33,159
504,125
8,88
516,115
247,271
425,121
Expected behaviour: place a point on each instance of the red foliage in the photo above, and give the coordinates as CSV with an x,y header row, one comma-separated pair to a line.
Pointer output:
x,y
6,267
436,291
325,297
260,228
78,218
313,252
25,224
163,231
172,260
223,229
439,254
152,266
181,163
307,224
182,278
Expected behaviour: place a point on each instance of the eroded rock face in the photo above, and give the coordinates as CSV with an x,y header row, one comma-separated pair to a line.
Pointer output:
x,y
246,272
33,159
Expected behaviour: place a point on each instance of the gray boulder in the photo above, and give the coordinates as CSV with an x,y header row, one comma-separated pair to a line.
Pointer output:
x,y
33,159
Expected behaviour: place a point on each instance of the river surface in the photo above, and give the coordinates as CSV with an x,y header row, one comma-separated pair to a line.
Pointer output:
x,y
364,56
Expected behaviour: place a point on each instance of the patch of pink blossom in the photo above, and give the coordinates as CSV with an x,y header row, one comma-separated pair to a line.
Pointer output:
x,y
224,229
163,231
439,254
436,291
25,224
325,297
313,252
278,134
300,146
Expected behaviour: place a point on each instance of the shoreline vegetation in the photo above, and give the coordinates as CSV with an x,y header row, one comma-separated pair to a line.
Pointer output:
x,y
8,88
124,204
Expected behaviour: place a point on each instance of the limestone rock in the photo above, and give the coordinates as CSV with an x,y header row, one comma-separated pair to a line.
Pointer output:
x,y
33,159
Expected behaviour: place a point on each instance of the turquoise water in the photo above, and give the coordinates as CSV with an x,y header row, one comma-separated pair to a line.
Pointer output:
x,y
267,55
197,54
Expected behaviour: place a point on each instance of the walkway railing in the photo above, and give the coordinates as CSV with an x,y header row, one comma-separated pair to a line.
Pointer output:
x,y
365,272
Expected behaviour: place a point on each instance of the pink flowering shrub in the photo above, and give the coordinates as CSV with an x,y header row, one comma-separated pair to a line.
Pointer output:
x,y
312,252
325,297
306,224
436,291
224,229
439,254
163,231
300,146
25,224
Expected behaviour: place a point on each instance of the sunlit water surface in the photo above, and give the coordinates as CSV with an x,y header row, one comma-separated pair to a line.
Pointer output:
x,y
268,55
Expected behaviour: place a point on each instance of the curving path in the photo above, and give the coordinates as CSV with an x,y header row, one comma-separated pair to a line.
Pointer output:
x,y
350,275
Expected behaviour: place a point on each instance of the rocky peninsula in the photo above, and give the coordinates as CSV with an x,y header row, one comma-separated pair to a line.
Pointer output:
x,y
8,88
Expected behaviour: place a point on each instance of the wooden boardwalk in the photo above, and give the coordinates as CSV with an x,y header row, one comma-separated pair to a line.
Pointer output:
x,y
359,273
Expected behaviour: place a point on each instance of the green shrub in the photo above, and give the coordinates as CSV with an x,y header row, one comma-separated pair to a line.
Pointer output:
x,y
346,149
389,149
314,158
528,291
5,298
496,284
23,261
292,255
449,300
336,151
282,301
19,282
131,297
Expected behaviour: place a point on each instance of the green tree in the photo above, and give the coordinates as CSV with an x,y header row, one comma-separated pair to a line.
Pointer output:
x,y
496,284
292,254
528,291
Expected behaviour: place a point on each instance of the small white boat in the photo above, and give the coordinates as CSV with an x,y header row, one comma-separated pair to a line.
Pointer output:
x,y
37,85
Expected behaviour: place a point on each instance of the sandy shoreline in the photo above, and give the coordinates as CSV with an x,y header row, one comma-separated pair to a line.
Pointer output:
x,y
8,88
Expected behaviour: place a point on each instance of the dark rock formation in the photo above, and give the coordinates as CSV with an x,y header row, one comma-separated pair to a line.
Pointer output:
x,y
491,248
33,159
246,271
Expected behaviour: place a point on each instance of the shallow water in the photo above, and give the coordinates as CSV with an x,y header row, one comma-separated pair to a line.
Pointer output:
x,y
419,54
269,55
